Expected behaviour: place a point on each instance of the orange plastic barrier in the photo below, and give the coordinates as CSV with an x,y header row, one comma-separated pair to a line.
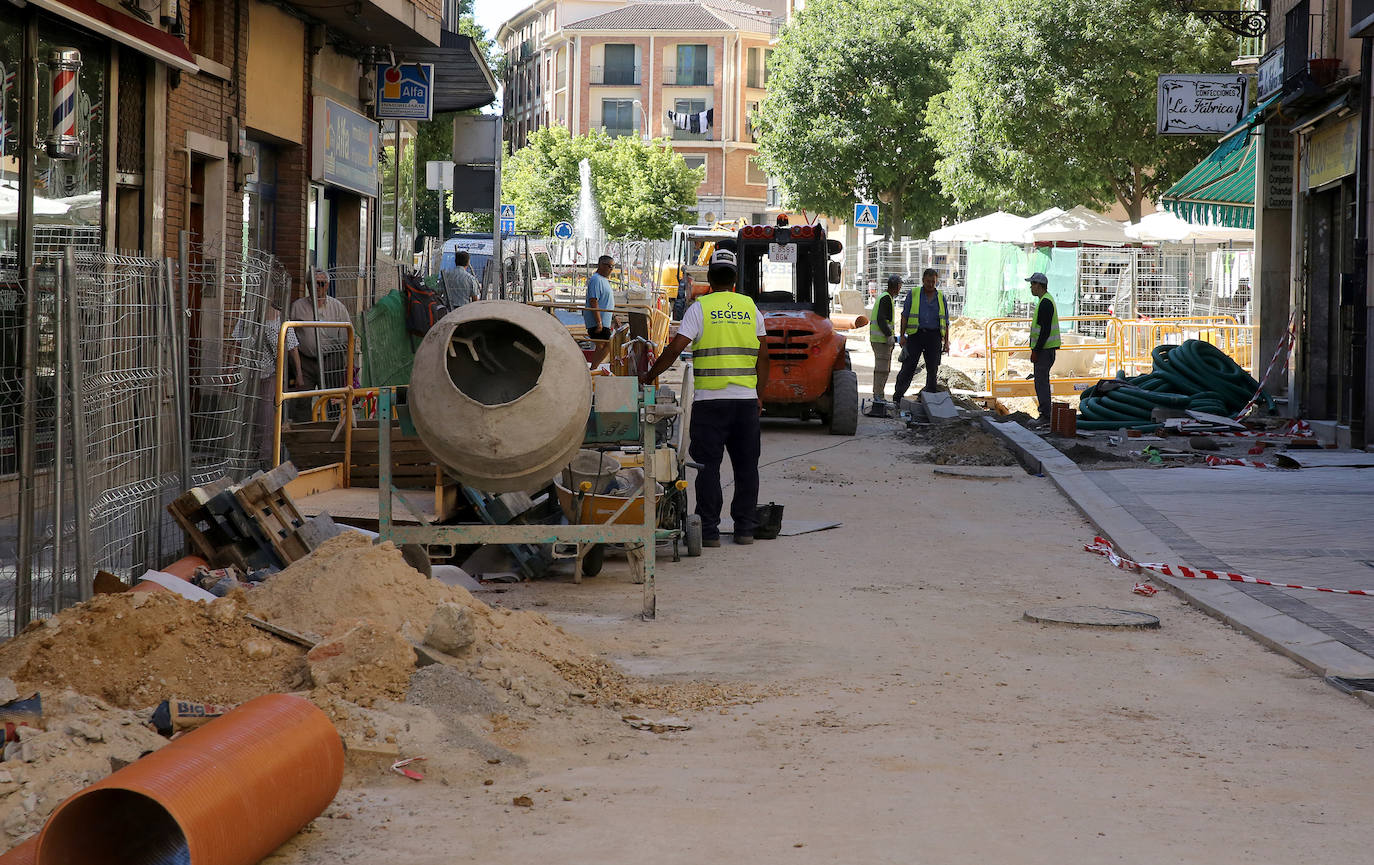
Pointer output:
x,y
228,793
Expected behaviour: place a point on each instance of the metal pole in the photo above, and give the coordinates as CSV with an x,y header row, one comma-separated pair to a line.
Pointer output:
x,y
498,254
58,449
28,461
181,316
80,445
650,602
152,527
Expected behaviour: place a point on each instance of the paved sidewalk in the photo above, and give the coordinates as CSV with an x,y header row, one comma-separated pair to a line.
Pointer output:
x,y
1309,526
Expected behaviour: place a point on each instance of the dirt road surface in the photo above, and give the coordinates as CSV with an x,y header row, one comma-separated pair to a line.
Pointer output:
x,y
919,718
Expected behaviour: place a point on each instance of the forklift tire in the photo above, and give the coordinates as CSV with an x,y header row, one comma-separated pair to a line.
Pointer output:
x,y
592,562
692,534
844,409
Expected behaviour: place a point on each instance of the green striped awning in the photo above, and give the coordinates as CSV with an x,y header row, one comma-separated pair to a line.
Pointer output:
x,y
1219,190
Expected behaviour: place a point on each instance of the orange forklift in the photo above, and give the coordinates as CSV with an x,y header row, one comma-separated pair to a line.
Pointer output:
x,y
788,271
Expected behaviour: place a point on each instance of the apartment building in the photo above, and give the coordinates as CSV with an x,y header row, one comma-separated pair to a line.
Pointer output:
x,y
687,72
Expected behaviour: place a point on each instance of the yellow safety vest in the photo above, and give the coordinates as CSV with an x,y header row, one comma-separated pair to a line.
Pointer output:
x,y
913,320
1053,340
875,333
728,349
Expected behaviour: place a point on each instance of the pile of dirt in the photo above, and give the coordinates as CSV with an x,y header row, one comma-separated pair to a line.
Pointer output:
x,y
83,741
966,443
1086,454
134,650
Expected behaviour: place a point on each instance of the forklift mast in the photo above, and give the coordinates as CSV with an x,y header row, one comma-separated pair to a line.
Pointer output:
x,y
805,248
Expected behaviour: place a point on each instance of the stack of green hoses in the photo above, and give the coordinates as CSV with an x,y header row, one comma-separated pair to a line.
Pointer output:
x,y
1195,375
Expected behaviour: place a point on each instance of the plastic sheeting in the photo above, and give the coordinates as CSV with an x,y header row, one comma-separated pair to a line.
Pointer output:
x,y
1060,265
996,272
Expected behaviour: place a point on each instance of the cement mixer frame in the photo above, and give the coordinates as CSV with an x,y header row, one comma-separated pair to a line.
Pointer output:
x,y
641,539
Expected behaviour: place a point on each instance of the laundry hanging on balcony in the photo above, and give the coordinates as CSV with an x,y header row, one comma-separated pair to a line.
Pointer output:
x,y
698,122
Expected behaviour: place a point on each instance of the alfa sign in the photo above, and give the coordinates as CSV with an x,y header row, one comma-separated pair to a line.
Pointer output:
x,y
1201,104
405,91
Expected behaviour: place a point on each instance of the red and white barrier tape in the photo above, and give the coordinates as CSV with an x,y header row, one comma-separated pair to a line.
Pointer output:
x,y
1285,344
1103,547
1218,462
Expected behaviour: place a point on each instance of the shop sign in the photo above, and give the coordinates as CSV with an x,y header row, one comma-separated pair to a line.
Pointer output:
x,y
344,148
405,91
1278,166
1331,151
1270,78
1200,104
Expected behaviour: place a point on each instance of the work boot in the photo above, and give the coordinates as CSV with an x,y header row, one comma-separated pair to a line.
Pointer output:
x,y
741,538
710,542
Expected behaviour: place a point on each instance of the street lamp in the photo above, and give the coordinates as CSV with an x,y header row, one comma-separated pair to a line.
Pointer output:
x,y
643,121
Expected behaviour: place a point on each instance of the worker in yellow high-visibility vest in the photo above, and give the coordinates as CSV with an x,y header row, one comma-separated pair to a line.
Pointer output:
x,y
729,364
1044,340
924,334
882,334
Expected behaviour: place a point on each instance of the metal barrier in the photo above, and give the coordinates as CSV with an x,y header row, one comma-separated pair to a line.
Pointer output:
x,y
347,392
1079,363
1140,336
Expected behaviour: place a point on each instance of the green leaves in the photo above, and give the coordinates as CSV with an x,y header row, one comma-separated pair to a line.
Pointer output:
x,y
1052,102
849,87
642,189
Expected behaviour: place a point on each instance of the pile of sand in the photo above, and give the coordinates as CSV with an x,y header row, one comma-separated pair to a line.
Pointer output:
x,y
135,650
965,443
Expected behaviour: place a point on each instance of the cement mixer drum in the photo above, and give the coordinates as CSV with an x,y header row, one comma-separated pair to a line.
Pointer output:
x,y
500,394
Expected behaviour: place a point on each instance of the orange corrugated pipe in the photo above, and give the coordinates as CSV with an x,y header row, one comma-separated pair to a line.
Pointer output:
x,y
24,854
228,793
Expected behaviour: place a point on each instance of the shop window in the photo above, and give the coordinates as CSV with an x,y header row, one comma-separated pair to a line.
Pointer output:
x,y
71,188
260,199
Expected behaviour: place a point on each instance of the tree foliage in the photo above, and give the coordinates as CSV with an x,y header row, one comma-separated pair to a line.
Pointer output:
x,y
641,189
848,87
1052,102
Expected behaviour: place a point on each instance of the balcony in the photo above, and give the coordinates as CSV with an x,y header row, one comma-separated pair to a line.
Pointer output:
x,y
696,76
775,28
379,22
616,76
1304,44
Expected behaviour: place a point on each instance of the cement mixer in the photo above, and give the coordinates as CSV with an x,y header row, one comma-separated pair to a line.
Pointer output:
x,y
500,394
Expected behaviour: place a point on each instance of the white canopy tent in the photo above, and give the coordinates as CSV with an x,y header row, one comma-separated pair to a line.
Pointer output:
x,y
1165,227
1079,225
996,227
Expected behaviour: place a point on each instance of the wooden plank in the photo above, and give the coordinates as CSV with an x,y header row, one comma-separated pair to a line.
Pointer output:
x,y
360,503
316,480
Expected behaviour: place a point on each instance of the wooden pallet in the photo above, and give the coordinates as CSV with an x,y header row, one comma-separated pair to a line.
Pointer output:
x,y
264,498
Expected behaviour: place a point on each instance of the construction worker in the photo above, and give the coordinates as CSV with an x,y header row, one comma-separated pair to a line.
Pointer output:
x,y
1044,339
925,334
882,327
726,333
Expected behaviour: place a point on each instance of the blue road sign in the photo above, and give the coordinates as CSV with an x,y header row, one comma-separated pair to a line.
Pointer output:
x,y
563,230
508,211
507,225
865,216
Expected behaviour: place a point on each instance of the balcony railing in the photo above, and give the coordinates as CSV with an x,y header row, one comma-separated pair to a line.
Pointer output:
x,y
696,76
624,76
775,28
618,131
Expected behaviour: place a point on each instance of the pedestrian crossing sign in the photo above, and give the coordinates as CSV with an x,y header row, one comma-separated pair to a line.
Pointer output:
x,y
507,226
508,211
865,216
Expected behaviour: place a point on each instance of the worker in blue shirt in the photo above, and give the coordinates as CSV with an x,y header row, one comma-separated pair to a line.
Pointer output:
x,y
600,300
925,334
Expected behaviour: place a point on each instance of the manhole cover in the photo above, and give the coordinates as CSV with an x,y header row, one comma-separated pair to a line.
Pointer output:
x,y
1092,617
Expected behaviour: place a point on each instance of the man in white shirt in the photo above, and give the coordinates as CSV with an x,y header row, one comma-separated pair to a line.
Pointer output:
x,y
324,350
729,362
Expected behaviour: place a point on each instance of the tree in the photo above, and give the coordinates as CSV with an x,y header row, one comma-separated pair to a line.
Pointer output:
x,y
1053,102
641,189
848,88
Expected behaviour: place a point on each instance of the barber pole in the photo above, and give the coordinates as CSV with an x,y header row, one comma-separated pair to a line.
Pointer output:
x,y
62,142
